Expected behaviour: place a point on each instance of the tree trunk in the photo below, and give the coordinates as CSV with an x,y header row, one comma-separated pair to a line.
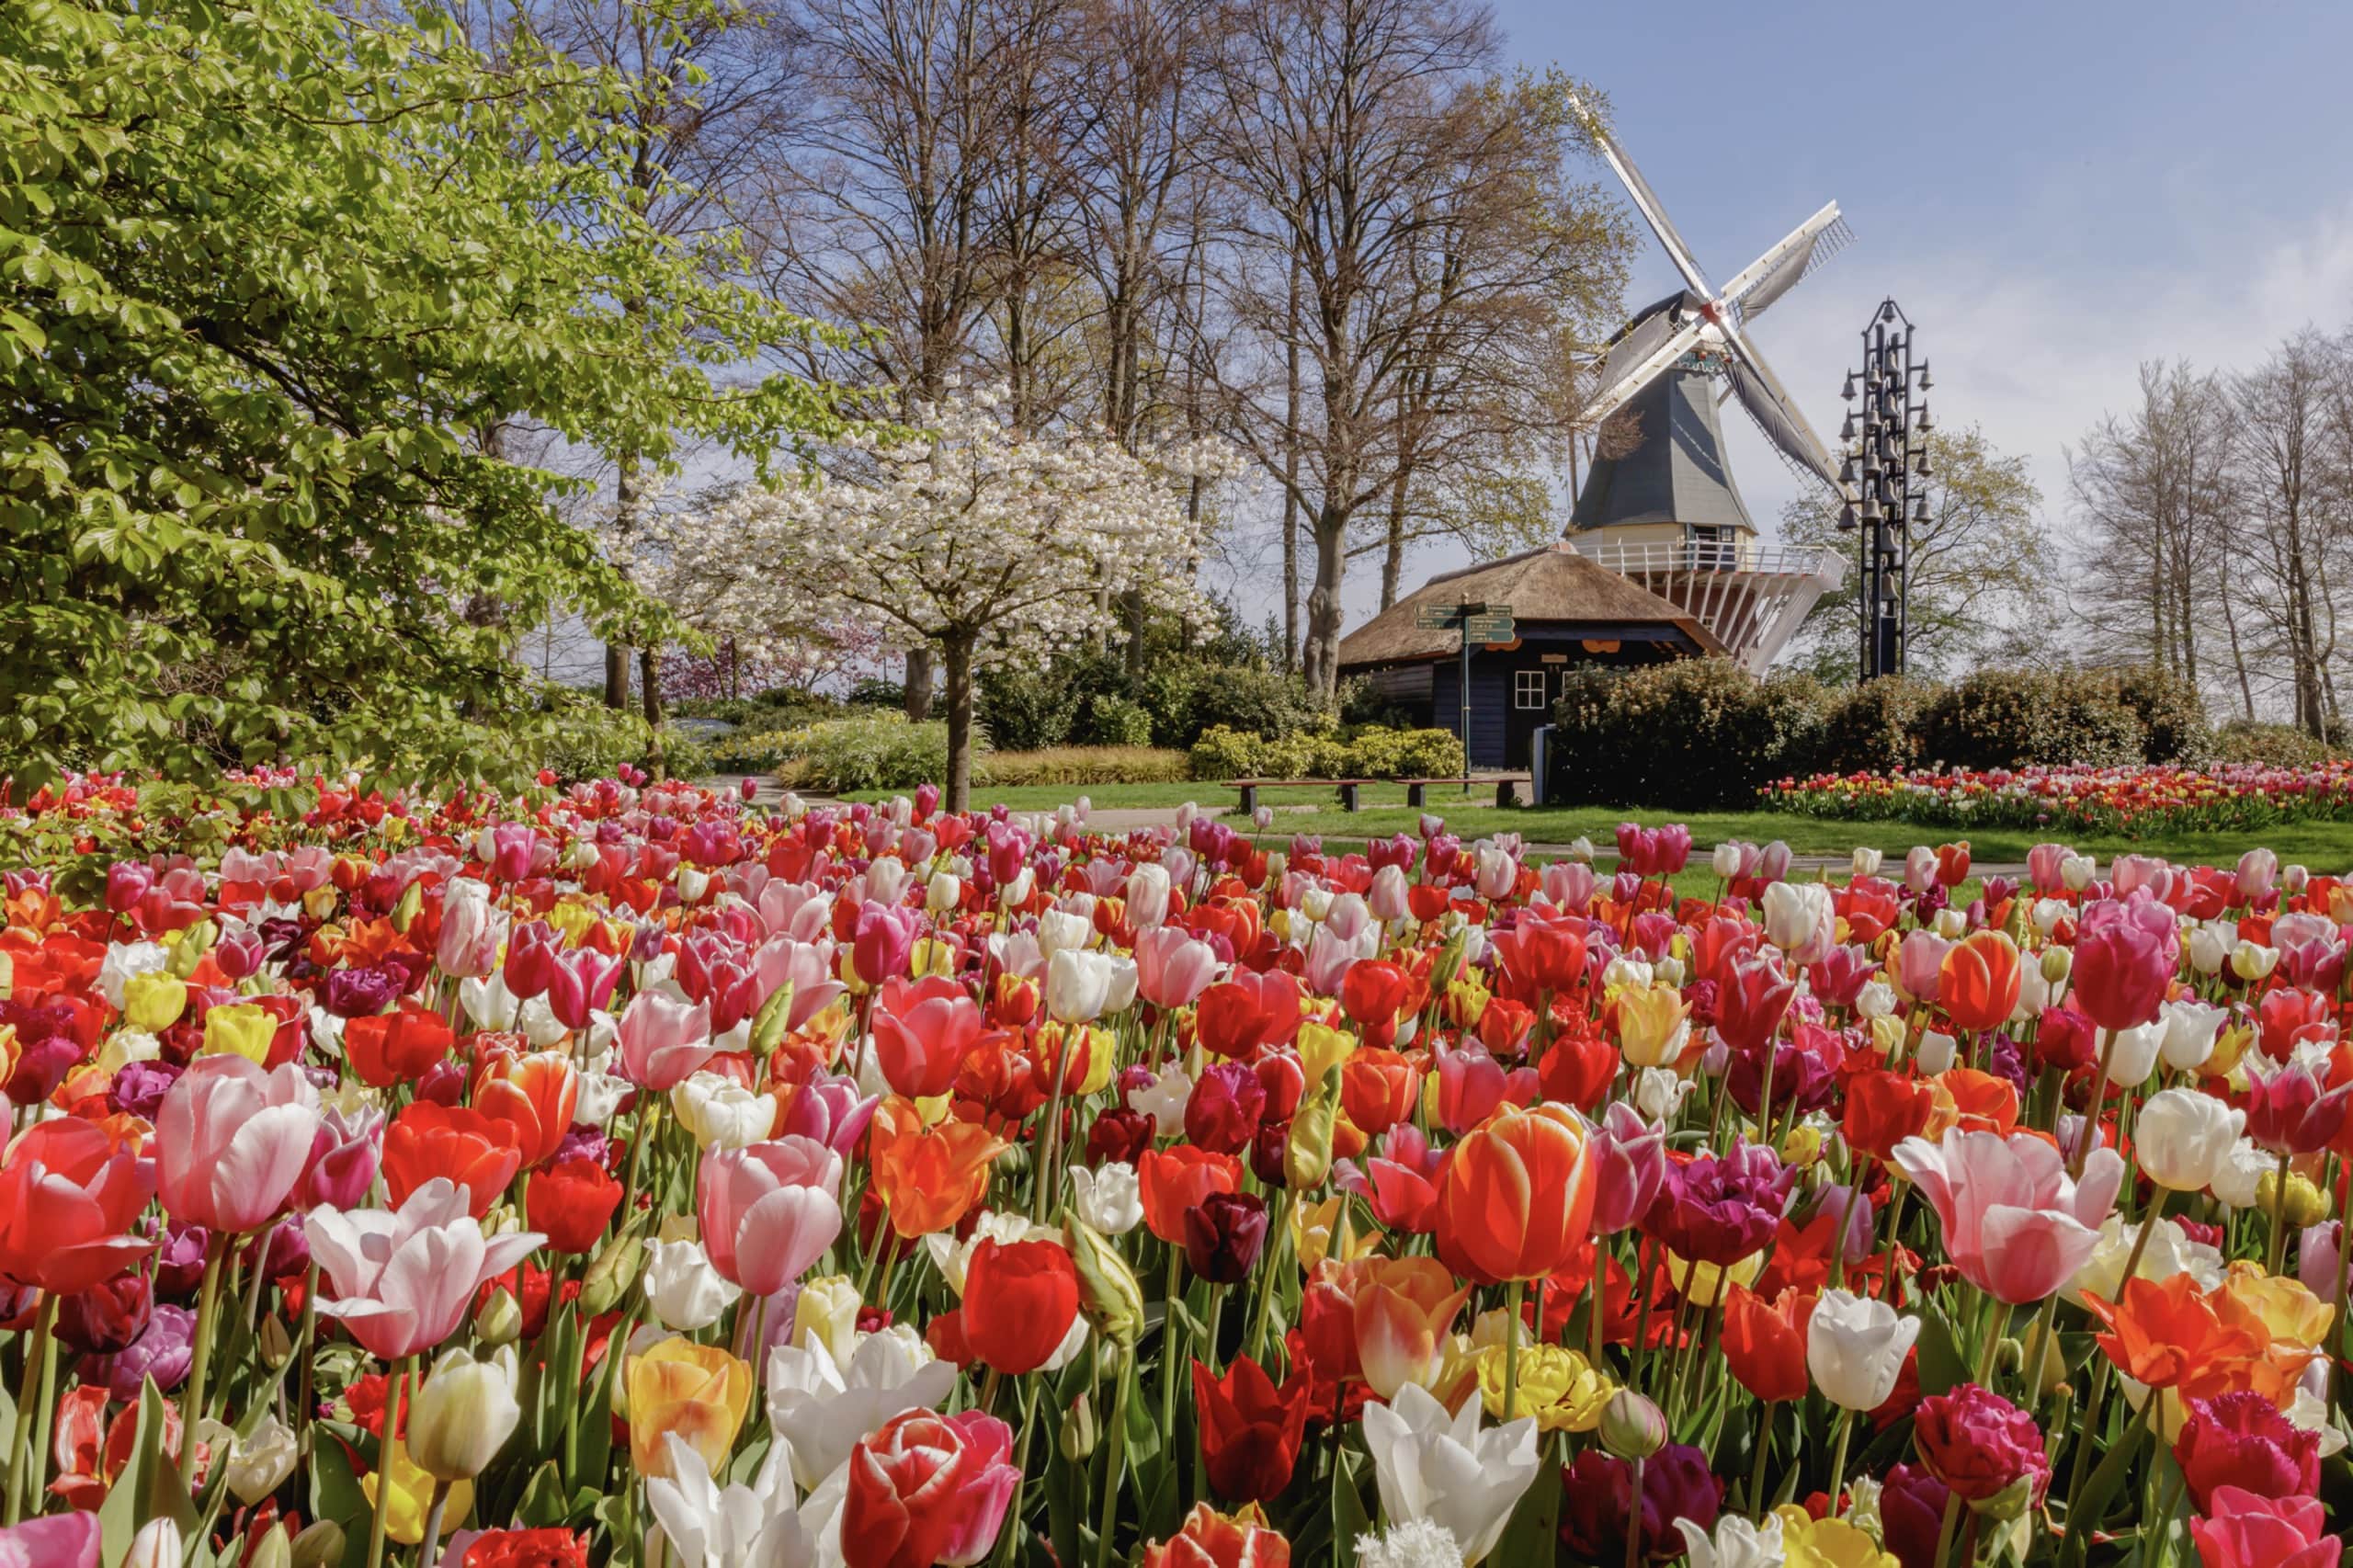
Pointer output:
x,y
1291,478
625,500
918,694
956,655
1392,554
649,677
1321,660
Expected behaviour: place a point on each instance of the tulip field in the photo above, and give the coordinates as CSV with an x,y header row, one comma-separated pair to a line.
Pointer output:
x,y
625,1172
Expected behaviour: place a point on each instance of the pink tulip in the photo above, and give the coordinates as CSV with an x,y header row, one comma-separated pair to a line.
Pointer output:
x,y
1629,1165
1173,968
1469,1086
471,930
1919,965
883,941
768,1211
2042,868
829,1109
344,1156
581,982
404,1281
2015,1225
807,967
661,1041
1570,885
231,1141
2125,957
921,1035
59,1540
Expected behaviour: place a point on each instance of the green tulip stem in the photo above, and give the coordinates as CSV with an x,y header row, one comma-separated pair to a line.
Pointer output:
x,y
1838,1457
2090,1130
381,1515
1118,1458
1511,1344
208,1313
36,1360
1634,1518
2277,1249
1756,1469
1944,1529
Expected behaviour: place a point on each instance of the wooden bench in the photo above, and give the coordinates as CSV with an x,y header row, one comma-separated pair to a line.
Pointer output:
x,y
1417,790
1250,788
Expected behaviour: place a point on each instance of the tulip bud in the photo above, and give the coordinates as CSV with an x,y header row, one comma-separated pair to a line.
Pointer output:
x,y
500,1321
1307,1156
1108,1293
412,900
2010,1501
462,1415
158,1544
2046,1358
189,951
1632,1427
769,1024
2057,964
1078,1433
275,1549
318,1545
610,1274
277,1343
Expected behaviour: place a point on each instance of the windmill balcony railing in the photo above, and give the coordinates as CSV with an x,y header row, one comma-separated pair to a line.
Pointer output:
x,y
1665,560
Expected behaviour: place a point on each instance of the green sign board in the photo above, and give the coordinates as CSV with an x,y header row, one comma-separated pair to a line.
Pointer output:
x,y
1495,627
1443,618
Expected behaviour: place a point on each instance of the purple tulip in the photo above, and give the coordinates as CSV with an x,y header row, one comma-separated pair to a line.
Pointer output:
x,y
362,993
1599,1498
162,1353
1223,1235
1718,1208
139,1087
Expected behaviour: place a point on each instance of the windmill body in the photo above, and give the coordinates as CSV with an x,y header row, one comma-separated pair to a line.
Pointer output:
x,y
1659,505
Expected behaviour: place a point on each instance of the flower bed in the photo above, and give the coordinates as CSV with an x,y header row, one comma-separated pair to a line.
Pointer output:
x,y
2138,802
621,1174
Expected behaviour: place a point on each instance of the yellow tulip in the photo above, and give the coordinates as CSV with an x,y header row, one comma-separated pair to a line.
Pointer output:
x,y
1653,1022
698,1393
240,1029
1704,1282
1323,1048
154,1002
1809,1542
1557,1386
2284,1303
826,1313
412,1499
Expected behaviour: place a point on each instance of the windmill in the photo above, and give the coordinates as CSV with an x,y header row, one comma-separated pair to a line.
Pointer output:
x,y
1658,505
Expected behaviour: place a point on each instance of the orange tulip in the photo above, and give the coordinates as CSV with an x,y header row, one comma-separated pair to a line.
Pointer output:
x,y
1981,1102
535,1094
1175,1180
1516,1199
2162,1333
930,1177
698,1393
1404,1310
1978,983
1377,1089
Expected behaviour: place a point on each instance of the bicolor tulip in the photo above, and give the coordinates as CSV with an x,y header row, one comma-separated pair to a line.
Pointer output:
x,y
2014,1224
928,1489
404,1279
1516,1200
697,1393
232,1140
770,1210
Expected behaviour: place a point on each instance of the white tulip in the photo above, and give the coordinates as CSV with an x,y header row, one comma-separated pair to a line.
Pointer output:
x,y
2191,1028
723,1113
2185,1138
685,1291
735,1526
942,893
1060,931
1738,1543
1147,896
1876,999
1865,862
1163,1100
1079,984
2210,945
2132,1054
2234,1180
1855,1349
1417,1543
462,1415
1935,1053
1433,1466
258,1464
2078,871
1659,1093
1109,1198
820,1411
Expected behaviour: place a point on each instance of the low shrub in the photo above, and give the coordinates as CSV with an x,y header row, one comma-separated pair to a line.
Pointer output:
x,y
1374,751
1084,764
1873,727
2171,714
880,751
1690,735
1114,721
2278,745
2030,718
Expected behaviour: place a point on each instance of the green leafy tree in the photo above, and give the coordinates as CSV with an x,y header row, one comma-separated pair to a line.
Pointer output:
x,y
1985,568
270,276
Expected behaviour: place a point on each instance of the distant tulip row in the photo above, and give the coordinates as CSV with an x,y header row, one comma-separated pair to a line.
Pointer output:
x,y
2141,801
622,1172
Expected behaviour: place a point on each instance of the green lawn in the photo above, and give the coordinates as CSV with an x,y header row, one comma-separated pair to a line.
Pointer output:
x,y
2324,845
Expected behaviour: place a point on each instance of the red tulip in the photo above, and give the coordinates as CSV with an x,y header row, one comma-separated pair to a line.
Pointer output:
x,y
1751,1004
392,1048
1235,1016
1250,1429
1020,1299
1764,1341
1175,1180
1542,955
69,1196
920,1036
471,1149
928,1489
572,1204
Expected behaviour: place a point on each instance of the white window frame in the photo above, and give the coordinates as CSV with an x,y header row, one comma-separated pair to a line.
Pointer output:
x,y
1525,695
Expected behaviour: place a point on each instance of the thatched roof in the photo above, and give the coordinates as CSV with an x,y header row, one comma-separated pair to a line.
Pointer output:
x,y
1554,586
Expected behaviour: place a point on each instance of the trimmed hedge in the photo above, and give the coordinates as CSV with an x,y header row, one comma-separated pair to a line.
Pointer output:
x,y
1223,751
2276,746
1701,734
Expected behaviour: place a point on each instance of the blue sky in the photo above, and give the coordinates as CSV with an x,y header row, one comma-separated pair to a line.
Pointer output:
x,y
2054,192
